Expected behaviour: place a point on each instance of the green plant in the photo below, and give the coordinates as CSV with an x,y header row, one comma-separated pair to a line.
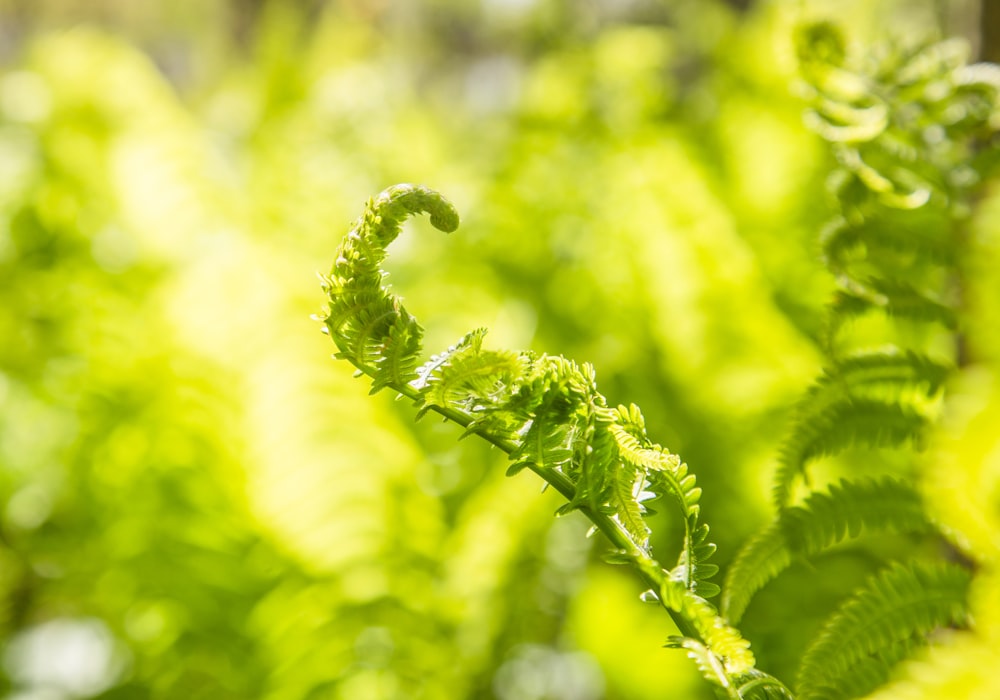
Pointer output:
x,y
914,133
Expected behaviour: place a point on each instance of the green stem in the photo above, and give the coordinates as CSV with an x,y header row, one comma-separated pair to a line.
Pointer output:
x,y
649,569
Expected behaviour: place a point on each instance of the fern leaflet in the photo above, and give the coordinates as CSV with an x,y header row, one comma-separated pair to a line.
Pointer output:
x,y
821,521
899,605
847,423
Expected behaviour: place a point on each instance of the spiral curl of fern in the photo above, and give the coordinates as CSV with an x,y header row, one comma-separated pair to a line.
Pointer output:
x,y
546,413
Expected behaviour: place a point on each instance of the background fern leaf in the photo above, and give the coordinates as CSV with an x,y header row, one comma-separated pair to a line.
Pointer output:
x,y
922,234
846,510
901,604
847,423
869,672
897,299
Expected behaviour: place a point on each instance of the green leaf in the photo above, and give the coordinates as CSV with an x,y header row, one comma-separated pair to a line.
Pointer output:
x,y
430,368
895,298
472,378
724,641
396,365
845,423
903,604
847,509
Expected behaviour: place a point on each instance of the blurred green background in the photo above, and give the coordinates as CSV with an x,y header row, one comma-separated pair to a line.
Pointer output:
x,y
197,502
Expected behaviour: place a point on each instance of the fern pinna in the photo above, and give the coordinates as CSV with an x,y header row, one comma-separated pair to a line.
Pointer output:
x,y
914,131
547,414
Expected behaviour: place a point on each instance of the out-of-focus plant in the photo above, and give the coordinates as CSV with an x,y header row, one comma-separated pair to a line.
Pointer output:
x,y
193,501
914,130
915,134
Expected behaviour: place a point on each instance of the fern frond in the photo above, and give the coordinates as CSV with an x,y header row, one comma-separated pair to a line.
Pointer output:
x,y
847,123
626,485
545,412
692,565
760,560
545,444
707,662
430,368
673,478
595,462
472,378
930,62
631,420
874,506
722,640
847,405
361,338
749,685
660,473
846,423
900,605
887,373
757,685
636,449
922,234
870,672
397,361
365,319
894,298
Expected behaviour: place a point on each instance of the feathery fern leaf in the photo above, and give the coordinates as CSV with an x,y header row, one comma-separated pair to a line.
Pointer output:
x,y
431,367
876,505
922,236
757,685
472,378
871,398
396,365
545,444
847,423
824,519
749,685
902,604
665,473
895,298
869,672
861,373
545,412
722,640
890,246
708,663
626,485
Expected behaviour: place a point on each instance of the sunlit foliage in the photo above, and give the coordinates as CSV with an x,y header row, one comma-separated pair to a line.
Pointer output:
x,y
198,502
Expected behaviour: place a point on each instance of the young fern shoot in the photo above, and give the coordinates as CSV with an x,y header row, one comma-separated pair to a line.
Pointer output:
x,y
546,413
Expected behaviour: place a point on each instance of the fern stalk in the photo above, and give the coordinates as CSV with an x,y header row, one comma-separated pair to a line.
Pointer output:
x,y
546,415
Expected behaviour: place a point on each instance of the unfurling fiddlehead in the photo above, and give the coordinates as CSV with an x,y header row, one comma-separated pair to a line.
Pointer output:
x,y
546,413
